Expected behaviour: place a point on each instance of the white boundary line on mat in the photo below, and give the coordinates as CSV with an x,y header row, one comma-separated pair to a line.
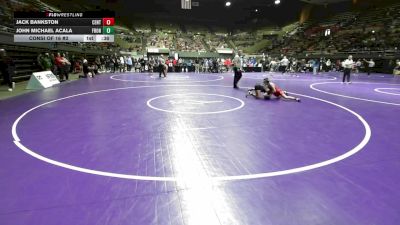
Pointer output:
x,y
19,143
312,86
379,90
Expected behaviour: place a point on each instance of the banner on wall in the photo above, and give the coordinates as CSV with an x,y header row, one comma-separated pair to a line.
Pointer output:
x,y
153,50
225,51
158,50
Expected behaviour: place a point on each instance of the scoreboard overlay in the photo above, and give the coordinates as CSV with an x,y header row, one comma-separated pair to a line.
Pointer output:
x,y
64,26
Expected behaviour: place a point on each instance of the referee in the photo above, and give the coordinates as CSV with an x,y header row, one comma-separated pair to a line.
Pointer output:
x,y
348,65
237,69
161,66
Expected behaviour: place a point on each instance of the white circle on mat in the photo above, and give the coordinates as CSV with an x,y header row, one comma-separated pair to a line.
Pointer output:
x,y
312,86
241,104
172,78
19,143
382,90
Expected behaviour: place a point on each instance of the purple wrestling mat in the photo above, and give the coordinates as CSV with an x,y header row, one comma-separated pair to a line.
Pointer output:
x,y
189,149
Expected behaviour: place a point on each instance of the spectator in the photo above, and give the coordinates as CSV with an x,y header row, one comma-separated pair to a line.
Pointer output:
x,y
284,63
358,66
45,61
396,70
66,65
7,69
103,63
59,66
108,63
115,62
129,63
121,63
97,62
197,65
328,65
370,65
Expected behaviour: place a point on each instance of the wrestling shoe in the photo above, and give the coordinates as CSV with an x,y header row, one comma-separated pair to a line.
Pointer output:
x,y
248,93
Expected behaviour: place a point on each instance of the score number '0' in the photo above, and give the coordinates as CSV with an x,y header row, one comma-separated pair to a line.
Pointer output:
x,y
108,21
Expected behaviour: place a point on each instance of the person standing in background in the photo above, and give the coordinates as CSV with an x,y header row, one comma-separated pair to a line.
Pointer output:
x,y
348,65
189,64
103,63
358,66
315,66
115,63
85,68
45,62
370,65
66,65
396,70
109,64
338,66
272,65
162,67
197,65
284,63
328,65
129,63
237,70
7,69
205,65
228,63
121,64
60,67
97,62
151,64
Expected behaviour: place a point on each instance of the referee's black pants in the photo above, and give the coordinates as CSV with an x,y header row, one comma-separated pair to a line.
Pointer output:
x,y
283,69
346,75
161,69
237,76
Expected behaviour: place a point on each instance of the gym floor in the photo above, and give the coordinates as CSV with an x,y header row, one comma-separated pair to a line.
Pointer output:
x,y
189,149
